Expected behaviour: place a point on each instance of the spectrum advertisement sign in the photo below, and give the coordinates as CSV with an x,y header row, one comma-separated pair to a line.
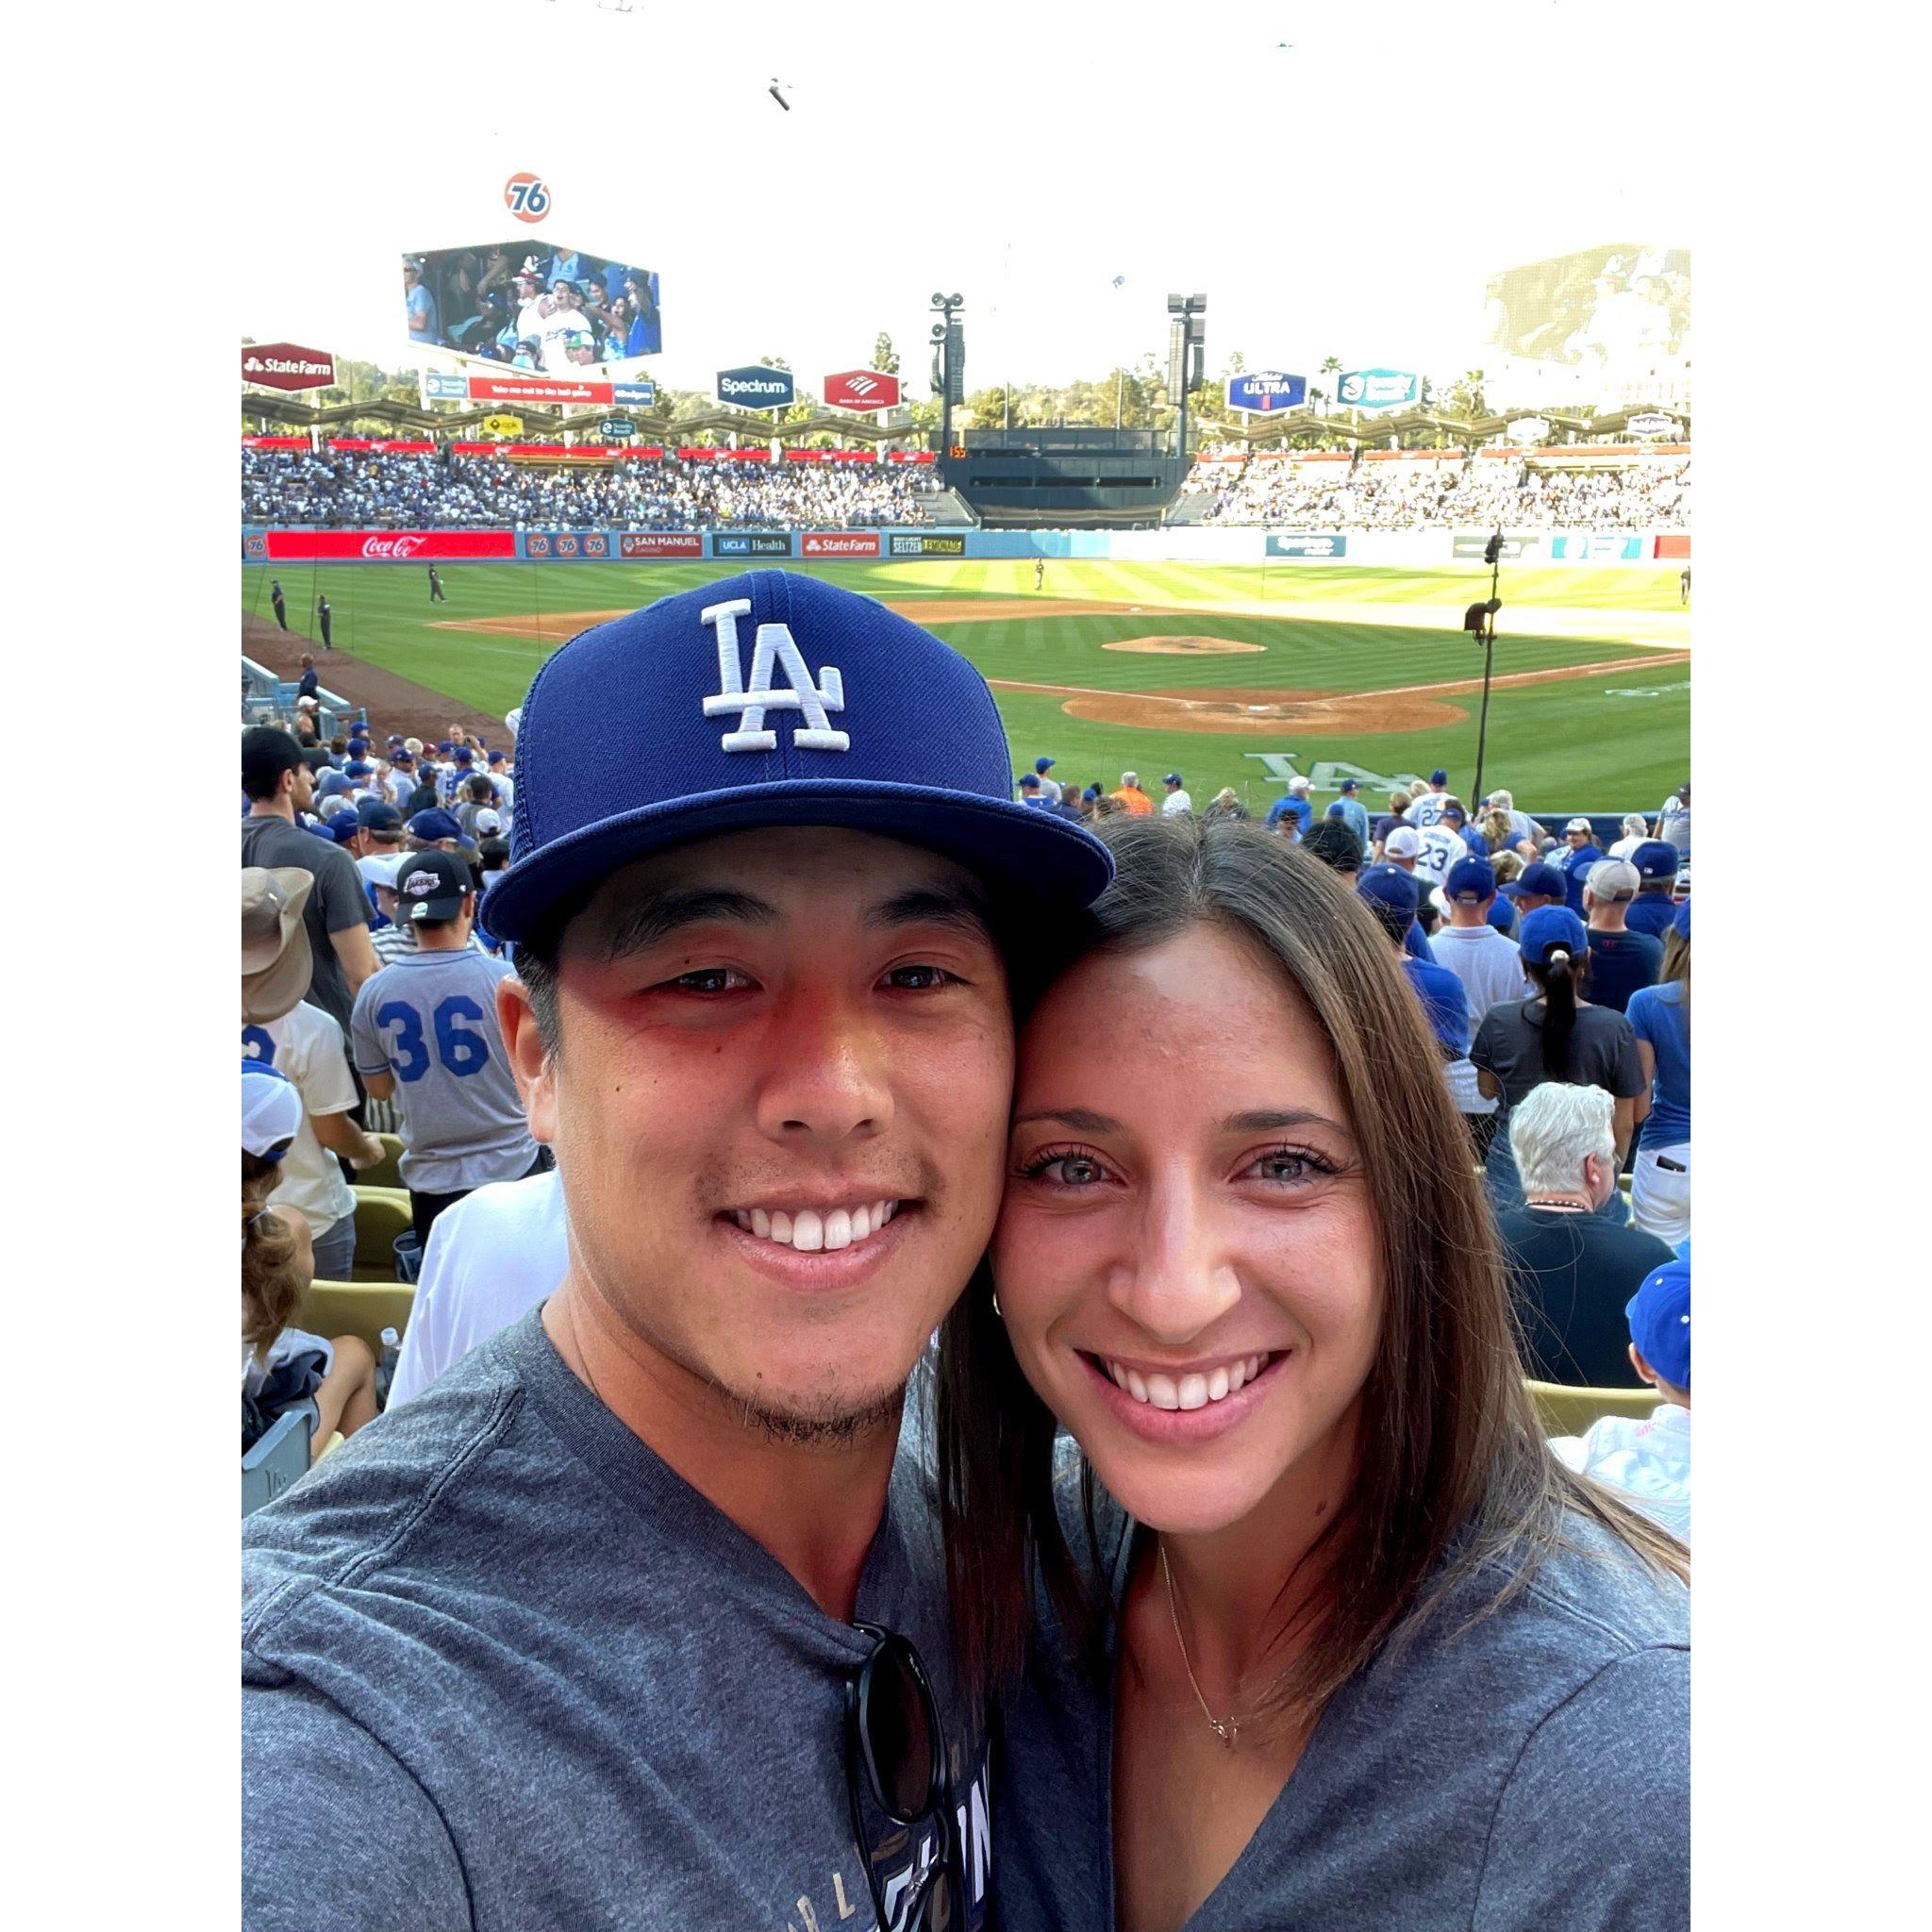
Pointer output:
x,y
1265,390
756,387
390,547
1281,545
1377,388
900,545
839,543
662,543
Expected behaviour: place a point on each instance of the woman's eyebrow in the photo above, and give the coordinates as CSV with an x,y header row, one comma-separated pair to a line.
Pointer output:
x,y
1269,1120
1081,1120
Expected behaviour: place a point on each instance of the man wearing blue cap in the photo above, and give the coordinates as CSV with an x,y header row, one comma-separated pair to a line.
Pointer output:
x,y
1354,812
1487,965
1049,788
1426,808
1653,908
583,1620
1649,1462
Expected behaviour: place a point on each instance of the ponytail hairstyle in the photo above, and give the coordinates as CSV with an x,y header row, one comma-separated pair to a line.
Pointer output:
x,y
1676,970
272,1278
1561,978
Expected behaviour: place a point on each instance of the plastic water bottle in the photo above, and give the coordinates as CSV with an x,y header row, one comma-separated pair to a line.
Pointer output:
x,y
385,1365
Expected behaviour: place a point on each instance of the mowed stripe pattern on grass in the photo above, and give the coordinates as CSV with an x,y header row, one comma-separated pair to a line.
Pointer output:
x,y
1559,746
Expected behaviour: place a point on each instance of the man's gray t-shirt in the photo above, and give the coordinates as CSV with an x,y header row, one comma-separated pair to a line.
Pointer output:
x,y
503,1670
336,900
429,1018
1529,1773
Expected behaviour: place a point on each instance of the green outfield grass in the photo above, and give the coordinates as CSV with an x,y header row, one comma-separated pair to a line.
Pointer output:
x,y
1616,739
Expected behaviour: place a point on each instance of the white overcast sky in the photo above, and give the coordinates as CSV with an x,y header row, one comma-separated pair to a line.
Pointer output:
x,y
1347,195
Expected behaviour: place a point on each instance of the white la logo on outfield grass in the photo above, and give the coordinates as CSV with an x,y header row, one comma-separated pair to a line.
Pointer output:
x,y
774,649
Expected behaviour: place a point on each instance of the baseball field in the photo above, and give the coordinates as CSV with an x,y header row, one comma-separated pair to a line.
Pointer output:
x,y
1230,674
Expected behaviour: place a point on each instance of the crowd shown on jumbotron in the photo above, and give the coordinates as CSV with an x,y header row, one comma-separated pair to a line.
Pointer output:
x,y
550,312
1261,1171
1457,490
392,489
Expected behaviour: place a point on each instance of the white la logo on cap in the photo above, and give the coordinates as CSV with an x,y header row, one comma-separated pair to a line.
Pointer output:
x,y
421,885
775,649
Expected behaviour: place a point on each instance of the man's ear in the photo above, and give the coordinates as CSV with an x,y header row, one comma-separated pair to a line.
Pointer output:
x,y
1645,1371
536,1077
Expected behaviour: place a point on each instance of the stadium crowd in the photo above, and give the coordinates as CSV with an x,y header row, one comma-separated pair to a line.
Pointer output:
x,y
395,489
551,313
1453,493
466,1576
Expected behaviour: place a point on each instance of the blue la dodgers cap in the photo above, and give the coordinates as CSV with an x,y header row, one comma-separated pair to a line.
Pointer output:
x,y
1659,1318
768,699
1655,859
1471,879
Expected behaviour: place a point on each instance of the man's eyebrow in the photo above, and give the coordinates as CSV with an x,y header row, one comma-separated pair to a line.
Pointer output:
x,y
965,912
639,927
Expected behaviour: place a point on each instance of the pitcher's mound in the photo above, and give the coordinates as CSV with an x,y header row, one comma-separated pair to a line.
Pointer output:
x,y
1182,647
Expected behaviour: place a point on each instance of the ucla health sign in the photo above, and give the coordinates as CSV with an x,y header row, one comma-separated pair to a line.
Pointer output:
x,y
1377,388
1264,390
755,386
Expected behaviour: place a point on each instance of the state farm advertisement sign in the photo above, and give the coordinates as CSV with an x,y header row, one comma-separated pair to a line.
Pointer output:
x,y
287,366
862,388
390,547
839,543
662,543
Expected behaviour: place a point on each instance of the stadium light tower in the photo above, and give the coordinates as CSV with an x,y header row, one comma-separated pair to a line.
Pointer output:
x,y
949,361
1187,356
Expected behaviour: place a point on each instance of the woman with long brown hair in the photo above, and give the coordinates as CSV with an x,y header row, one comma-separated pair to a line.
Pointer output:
x,y
1307,1629
1660,1016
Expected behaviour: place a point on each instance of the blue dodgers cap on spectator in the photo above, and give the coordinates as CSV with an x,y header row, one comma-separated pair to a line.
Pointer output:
x,y
1659,1318
379,817
463,755
1472,880
1042,764
358,746
358,767
1655,859
1348,785
320,831
1390,885
343,825
496,757
768,699
1552,929
1438,777
1542,879
1029,781
1680,925
433,824
402,761
1335,810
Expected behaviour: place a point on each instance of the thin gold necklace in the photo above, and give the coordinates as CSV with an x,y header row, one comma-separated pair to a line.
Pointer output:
x,y
1228,1728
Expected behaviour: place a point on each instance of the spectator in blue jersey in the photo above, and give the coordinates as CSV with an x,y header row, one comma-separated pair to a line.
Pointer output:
x,y
1033,793
1537,885
425,1035
1392,898
1621,961
1490,967
1653,909
1355,812
1293,804
1580,851
1660,1016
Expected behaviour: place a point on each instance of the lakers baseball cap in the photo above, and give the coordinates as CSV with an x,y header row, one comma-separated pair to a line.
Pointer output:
x,y
432,885
275,959
1659,1318
1472,880
1655,859
768,699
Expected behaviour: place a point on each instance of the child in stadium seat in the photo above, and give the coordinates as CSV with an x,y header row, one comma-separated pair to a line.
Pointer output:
x,y
283,1366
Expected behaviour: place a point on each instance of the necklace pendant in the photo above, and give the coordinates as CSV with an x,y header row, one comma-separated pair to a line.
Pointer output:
x,y
1226,1729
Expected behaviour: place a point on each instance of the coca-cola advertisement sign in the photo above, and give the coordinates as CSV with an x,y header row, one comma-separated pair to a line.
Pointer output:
x,y
287,366
840,544
390,547
862,388
662,543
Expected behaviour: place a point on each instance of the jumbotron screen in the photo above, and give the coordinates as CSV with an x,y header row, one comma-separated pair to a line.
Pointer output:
x,y
543,310
1619,307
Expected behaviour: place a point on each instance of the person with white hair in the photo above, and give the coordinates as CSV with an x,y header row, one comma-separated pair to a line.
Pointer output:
x,y
1293,802
1621,961
1636,831
1571,1268
1521,825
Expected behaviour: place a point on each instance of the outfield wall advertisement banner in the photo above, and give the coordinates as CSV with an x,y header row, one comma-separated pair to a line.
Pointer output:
x,y
903,544
1298,545
1472,543
390,547
662,543
1377,388
751,543
839,543
1597,546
